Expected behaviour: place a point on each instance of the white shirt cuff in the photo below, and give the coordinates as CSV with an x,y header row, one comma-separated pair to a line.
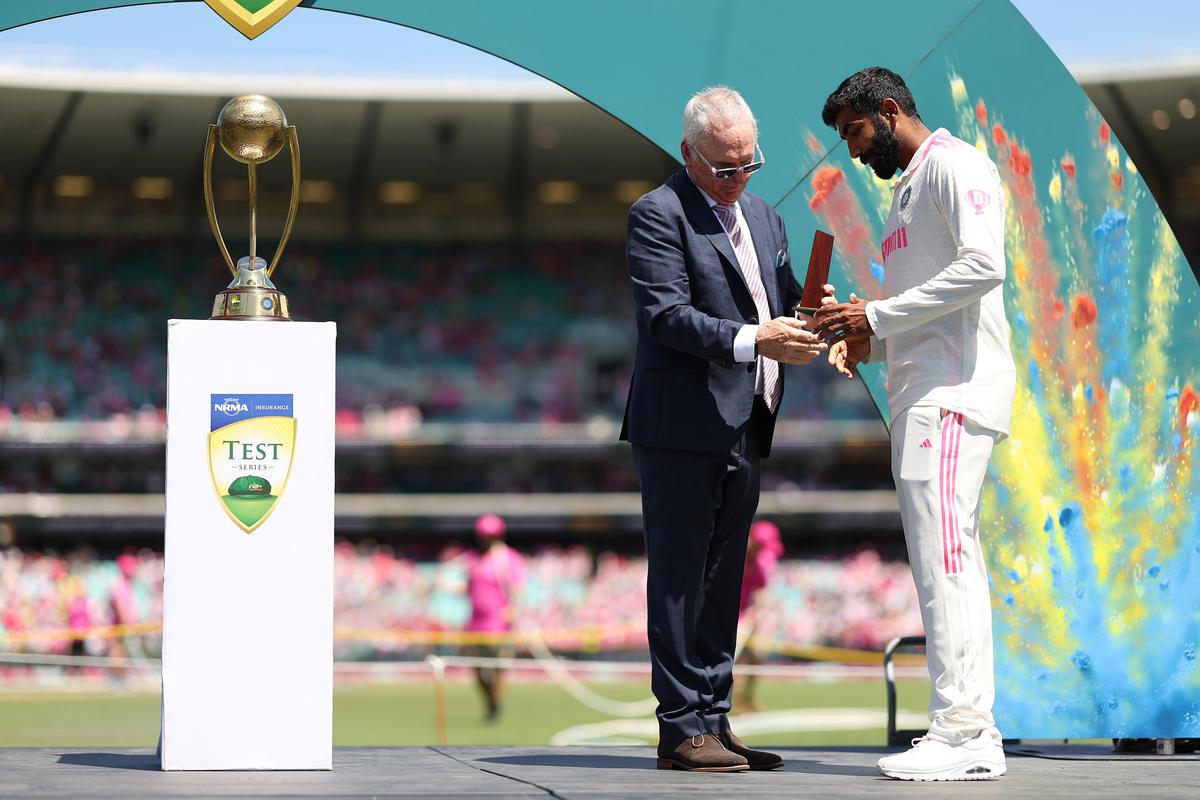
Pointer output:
x,y
872,313
876,353
743,343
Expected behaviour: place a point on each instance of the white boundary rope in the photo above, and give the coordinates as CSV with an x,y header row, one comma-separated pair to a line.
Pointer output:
x,y
557,671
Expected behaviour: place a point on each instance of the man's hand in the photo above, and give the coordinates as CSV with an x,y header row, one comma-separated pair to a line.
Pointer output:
x,y
843,320
846,354
830,299
788,341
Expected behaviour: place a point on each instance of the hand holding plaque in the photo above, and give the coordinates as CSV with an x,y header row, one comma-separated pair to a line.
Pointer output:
x,y
252,129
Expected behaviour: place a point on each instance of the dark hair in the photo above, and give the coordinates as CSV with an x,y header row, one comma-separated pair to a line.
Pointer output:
x,y
865,91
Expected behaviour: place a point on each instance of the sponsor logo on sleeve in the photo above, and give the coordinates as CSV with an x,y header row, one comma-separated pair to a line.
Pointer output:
x,y
978,199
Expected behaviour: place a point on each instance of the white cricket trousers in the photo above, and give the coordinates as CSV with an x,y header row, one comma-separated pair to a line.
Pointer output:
x,y
939,461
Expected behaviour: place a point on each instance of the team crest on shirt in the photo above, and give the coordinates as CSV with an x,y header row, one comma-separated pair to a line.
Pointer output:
x,y
904,198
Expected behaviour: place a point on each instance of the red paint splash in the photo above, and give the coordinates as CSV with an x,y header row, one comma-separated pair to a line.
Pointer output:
x,y
1058,310
836,205
999,136
1082,369
1020,161
981,113
1104,132
1068,166
1035,271
825,182
1083,311
1118,180
1020,169
814,144
1189,402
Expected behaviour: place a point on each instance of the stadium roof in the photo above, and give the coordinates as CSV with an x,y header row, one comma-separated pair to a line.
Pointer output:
x,y
79,139
1122,71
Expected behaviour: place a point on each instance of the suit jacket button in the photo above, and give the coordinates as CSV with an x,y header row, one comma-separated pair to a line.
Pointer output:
x,y
753,321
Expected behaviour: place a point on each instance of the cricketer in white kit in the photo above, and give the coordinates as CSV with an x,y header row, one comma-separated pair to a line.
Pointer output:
x,y
942,330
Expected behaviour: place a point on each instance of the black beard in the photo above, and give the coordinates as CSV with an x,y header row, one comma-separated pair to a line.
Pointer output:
x,y
885,149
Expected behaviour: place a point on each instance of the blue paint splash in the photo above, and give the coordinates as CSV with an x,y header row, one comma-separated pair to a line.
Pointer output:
x,y
1113,302
877,271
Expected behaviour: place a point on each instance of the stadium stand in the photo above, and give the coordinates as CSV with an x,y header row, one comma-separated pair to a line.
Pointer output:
x,y
390,605
447,333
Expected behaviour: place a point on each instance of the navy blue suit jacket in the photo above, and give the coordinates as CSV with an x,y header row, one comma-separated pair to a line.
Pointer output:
x,y
687,392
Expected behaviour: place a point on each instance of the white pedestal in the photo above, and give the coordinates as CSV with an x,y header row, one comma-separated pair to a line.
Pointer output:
x,y
248,591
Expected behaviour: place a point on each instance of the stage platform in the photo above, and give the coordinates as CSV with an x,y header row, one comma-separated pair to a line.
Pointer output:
x,y
578,772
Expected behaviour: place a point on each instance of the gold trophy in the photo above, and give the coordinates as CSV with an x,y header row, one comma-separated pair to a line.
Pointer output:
x,y
252,129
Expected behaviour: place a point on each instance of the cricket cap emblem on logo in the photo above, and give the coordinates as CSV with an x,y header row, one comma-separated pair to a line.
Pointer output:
x,y
252,17
251,446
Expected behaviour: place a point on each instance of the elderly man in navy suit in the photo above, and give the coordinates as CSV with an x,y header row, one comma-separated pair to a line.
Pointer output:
x,y
714,291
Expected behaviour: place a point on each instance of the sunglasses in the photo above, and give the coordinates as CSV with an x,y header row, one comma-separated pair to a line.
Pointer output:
x,y
725,173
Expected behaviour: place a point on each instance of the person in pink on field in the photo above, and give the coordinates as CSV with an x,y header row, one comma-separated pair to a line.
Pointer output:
x,y
762,557
495,577
122,609
78,610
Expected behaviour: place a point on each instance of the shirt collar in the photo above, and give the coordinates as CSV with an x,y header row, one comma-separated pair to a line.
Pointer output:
x,y
937,137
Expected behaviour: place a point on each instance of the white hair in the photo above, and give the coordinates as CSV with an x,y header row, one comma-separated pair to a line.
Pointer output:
x,y
708,106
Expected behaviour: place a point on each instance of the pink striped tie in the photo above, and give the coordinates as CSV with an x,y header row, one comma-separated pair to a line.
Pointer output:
x,y
748,262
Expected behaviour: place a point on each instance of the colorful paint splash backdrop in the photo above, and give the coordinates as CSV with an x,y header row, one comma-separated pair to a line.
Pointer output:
x,y
1089,516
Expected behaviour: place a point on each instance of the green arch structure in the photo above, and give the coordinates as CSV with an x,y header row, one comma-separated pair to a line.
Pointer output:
x,y
1090,518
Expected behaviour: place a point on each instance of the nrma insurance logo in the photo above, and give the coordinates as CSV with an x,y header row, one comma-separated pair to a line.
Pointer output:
x,y
251,446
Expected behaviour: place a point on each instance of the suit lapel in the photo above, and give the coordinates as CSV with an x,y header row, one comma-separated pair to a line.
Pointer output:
x,y
760,232
696,207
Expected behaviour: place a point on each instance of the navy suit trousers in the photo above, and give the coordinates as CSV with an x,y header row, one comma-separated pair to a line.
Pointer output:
x,y
696,511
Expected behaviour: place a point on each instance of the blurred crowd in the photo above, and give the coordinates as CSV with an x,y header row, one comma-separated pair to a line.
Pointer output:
x,y
78,593
580,600
440,332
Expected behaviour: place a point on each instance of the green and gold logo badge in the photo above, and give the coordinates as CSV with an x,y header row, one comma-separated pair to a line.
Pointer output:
x,y
251,445
252,17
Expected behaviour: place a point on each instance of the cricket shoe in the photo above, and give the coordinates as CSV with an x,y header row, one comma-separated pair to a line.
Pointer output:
x,y
976,759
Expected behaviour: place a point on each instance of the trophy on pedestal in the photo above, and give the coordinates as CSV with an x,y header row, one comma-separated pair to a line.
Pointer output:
x,y
234,467
252,129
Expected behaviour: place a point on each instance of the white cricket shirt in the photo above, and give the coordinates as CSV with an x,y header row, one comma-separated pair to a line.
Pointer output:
x,y
941,322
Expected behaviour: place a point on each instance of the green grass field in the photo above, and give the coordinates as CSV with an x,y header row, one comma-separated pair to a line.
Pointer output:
x,y
403,714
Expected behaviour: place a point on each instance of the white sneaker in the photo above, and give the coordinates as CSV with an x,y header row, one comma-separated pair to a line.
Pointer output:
x,y
931,760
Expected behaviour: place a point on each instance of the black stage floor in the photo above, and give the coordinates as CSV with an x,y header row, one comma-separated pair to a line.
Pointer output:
x,y
577,772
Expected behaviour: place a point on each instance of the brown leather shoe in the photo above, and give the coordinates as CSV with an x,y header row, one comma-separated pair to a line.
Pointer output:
x,y
758,759
703,753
